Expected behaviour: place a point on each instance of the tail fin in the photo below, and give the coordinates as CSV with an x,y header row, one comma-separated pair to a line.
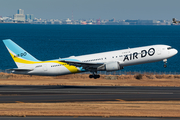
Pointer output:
x,y
19,55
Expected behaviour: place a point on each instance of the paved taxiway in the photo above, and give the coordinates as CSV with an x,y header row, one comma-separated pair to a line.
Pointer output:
x,y
85,93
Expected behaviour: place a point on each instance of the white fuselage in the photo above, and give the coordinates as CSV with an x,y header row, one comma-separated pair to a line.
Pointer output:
x,y
126,57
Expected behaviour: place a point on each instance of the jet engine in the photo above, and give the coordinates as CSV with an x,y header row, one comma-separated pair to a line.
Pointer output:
x,y
110,66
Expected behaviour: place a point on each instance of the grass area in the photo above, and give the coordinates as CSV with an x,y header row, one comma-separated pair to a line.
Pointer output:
x,y
104,109
84,80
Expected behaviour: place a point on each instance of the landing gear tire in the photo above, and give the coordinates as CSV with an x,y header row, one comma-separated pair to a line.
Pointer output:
x,y
91,76
94,76
98,76
165,65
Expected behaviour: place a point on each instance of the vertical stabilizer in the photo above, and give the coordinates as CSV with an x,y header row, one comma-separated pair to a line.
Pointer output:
x,y
19,55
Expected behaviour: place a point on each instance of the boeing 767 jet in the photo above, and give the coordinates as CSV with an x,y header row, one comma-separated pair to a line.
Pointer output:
x,y
106,61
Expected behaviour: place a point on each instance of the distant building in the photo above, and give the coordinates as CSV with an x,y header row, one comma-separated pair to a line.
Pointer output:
x,y
19,17
20,11
147,22
1,19
142,22
27,17
31,16
112,20
67,21
57,22
116,23
83,23
98,21
132,22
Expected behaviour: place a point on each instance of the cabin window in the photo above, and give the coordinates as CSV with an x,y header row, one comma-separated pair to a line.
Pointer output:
x,y
169,48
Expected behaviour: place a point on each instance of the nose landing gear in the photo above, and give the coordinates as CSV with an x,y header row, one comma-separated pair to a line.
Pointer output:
x,y
165,65
165,62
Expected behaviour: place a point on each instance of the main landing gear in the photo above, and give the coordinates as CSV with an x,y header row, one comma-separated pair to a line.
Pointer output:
x,y
94,75
165,62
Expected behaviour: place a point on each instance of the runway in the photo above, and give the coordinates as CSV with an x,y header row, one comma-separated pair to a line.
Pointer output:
x,y
84,118
11,94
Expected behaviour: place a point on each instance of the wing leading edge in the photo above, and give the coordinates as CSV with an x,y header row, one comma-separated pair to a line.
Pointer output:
x,y
86,66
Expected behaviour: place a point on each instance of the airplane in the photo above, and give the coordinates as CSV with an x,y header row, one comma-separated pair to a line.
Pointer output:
x,y
174,21
106,61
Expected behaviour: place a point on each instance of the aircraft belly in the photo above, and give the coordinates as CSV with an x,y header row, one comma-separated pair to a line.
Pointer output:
x,y
60,70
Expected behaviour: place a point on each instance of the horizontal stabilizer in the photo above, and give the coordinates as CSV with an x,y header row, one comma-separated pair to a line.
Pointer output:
x,y
17,69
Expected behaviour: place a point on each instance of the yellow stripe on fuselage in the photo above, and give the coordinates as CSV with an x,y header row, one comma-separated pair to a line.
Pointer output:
x,y
71,68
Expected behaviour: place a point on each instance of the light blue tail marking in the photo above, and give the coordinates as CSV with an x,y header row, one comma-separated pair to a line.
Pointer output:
x,y
18,51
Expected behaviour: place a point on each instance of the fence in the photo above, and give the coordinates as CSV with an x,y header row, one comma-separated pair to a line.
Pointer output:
x,y
5,71
121,72
133,72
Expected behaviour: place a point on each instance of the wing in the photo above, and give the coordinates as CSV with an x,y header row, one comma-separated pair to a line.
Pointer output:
x,y
84,65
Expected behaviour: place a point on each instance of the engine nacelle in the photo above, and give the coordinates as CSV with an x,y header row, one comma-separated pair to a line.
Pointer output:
x,y
110,66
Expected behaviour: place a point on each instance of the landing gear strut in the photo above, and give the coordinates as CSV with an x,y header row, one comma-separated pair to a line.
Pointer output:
x,y
165,62
94,75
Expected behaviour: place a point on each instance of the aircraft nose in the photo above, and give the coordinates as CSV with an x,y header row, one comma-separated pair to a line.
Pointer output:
x,y
175,51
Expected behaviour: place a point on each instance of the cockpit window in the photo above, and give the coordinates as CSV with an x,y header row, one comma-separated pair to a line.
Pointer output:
x,y
169,48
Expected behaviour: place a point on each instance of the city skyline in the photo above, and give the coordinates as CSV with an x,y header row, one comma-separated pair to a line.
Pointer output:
x,y
93,9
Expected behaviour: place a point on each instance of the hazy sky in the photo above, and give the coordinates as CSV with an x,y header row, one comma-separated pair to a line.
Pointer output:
x,y
85,9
